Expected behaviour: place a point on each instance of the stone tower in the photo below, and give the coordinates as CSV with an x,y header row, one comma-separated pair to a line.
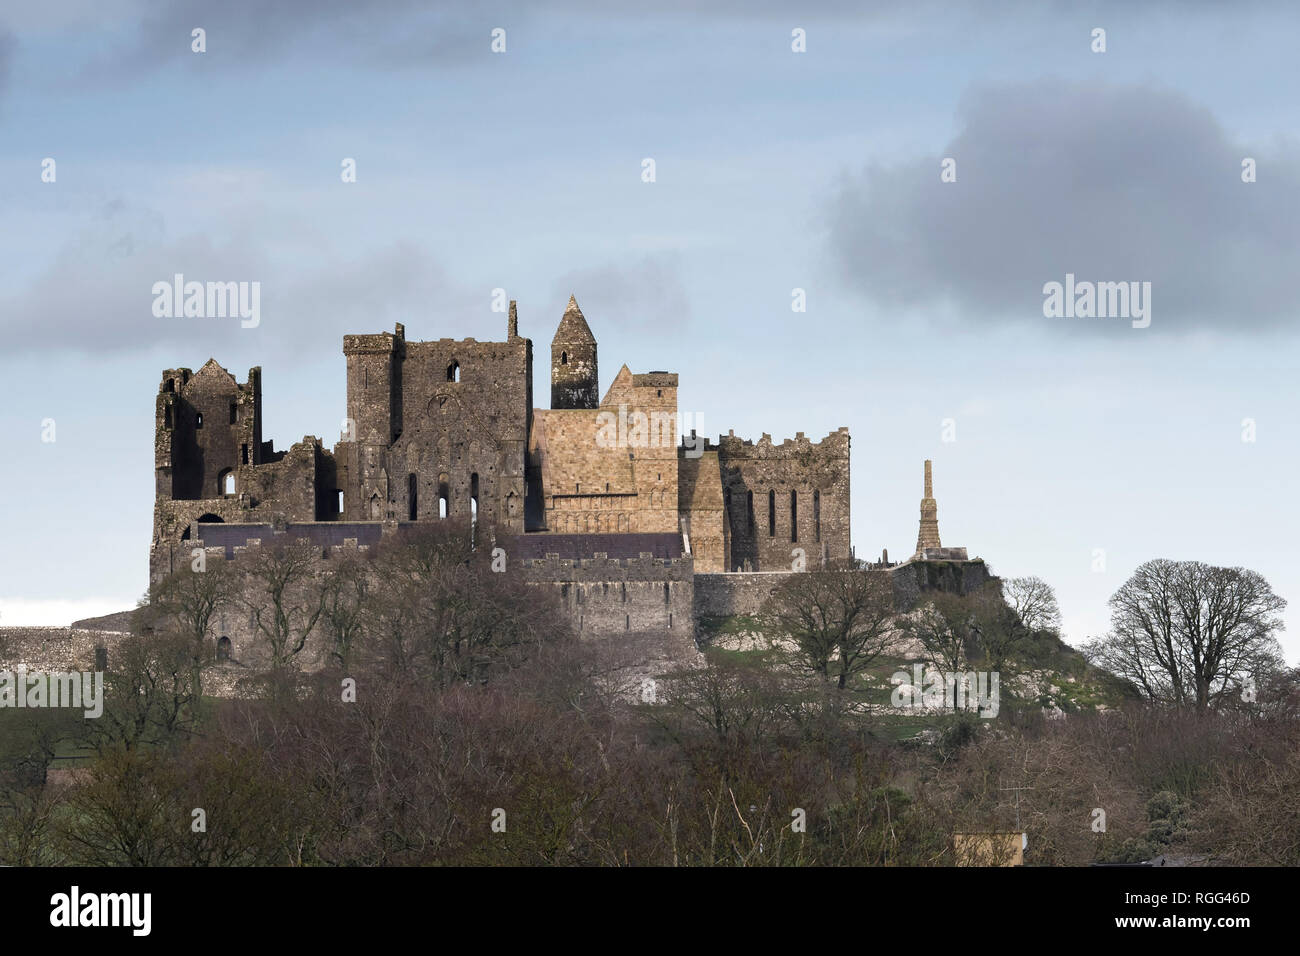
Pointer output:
x,y
574,380
928,536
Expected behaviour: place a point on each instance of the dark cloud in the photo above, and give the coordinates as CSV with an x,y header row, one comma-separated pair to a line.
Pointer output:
x,y
1110,183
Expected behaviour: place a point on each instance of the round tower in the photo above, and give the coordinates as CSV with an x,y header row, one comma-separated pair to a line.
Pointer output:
x,y
574,379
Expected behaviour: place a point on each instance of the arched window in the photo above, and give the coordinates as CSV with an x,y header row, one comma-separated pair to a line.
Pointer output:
x,y
771,513
453,371
226,482
444,496
564,358
223,648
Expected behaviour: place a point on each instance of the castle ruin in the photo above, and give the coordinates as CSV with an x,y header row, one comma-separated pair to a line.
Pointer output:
x,y
601,498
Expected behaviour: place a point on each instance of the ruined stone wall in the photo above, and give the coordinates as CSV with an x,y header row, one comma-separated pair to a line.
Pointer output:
x,y
606,596
726,595
296,486
913,578
699,499
441,427
766,524
53,648
373,420
206,426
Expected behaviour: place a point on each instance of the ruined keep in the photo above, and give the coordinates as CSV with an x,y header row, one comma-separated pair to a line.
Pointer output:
x,y
599,495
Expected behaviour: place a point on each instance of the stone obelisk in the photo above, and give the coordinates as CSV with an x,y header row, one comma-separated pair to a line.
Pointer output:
x,y
928,537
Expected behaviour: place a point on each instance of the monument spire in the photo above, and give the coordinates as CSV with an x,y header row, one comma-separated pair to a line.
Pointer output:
x,y
928,536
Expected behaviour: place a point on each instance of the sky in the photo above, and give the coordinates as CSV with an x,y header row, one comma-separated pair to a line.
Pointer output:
x,y
1072,448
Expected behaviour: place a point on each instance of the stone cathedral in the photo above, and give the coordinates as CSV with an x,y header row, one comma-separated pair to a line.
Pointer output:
x,y
592,489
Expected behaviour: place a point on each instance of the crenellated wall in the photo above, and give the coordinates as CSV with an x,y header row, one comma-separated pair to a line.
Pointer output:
x,y
606,596
779,498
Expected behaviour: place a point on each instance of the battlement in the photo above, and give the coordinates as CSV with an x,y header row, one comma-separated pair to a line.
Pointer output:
x,y
837,443
381,342
601,562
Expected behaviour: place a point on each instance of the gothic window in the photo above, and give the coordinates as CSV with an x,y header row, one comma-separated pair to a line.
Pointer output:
x,y
226,482
223,648
453,371
564,358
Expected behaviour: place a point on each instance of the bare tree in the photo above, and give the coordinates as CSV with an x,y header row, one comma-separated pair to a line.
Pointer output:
x,y
1034,602
840,618
151,697
1187,633
346,585
442,609
945,626
284,598
1000,630
185,603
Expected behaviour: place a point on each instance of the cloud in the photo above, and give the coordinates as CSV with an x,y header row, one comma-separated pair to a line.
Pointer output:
x,y
96,296
647,295
1110,183
6,59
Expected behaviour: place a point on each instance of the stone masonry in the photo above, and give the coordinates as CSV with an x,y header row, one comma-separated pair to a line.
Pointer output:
x,y
447,429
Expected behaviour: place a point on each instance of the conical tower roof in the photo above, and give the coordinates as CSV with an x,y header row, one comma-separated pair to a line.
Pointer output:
x,y
573,326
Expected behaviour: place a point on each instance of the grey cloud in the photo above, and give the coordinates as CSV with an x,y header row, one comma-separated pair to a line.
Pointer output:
x,y
1111,183
647,294
96,294
6,59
